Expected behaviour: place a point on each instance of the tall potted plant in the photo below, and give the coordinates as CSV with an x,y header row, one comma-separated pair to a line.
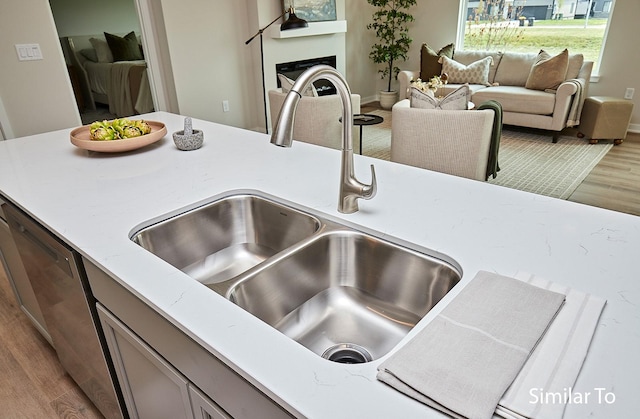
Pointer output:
x,y
391,25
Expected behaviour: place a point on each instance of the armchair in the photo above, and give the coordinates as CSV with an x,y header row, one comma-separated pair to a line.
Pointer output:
x,y
317,118
454,142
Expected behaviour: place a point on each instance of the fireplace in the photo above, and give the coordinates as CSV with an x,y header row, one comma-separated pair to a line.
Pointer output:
x,y
295,68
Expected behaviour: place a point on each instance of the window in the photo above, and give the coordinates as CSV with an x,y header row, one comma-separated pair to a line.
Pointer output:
x,y
529,25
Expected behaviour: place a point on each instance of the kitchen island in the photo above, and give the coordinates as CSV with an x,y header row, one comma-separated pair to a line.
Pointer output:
x,y
94,202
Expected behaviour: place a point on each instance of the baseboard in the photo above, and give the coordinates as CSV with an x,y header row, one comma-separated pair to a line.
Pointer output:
x,y
369,99
635,128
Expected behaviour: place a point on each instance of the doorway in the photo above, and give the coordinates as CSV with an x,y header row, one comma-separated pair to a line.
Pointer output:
x,y
108,85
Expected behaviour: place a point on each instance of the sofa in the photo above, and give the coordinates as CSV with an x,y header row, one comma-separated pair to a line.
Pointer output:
x,y
507,82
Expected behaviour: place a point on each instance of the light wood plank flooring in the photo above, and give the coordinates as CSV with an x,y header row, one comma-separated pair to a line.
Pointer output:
x,y
34,385
615,182
32,382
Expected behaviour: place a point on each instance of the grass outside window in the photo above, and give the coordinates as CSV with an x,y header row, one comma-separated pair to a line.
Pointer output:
x,y
551,35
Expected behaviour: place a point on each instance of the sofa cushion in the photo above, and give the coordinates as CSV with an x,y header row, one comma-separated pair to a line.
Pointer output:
x,y
548,72
458,100
575,64
468,57
429,60
514,68
518,99
474,73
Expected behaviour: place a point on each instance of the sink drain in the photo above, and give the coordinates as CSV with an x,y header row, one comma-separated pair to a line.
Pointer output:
x,y
347,353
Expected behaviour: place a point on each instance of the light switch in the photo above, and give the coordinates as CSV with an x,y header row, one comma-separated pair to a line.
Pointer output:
x,y
28,52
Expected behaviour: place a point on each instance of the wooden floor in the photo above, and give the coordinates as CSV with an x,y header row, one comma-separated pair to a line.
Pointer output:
x,y
615,182
32,382
34,385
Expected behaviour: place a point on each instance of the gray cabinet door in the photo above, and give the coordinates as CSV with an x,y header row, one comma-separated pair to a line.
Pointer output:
x,y
152,388
204,407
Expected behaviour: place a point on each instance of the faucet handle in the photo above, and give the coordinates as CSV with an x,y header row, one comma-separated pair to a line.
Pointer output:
x,y
369,191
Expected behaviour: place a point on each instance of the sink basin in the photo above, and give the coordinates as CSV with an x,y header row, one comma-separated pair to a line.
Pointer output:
x,y
336,288
347,296
220,240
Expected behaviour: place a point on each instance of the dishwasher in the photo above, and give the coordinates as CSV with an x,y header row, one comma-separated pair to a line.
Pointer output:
x,y
69,310
18,280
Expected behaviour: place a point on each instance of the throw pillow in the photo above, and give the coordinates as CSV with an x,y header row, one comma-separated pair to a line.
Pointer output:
x,y
102,50
467,57
286,83
548,72
457,100
474,73
429,60
90,54
421,99
575,64
124,48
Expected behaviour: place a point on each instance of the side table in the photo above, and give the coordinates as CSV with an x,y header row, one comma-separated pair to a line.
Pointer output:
x,y
363,119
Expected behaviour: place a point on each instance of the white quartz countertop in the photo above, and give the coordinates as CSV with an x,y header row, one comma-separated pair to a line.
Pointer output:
x,y
94,201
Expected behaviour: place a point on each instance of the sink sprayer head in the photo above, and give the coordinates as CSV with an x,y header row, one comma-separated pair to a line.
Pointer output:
x,y
283,132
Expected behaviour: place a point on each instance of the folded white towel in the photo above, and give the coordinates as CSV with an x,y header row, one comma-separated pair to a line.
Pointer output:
x,y
555,364
465,359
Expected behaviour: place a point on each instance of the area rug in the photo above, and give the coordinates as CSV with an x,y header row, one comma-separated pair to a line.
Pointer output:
x,y
528,161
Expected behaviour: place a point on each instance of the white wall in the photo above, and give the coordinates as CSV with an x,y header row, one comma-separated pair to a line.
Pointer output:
x,y
436,23
88,17
37,95
620,63
210,61
361,71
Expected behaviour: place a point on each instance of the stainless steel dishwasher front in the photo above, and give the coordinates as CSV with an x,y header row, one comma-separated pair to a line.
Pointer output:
x,y
17,276
62,290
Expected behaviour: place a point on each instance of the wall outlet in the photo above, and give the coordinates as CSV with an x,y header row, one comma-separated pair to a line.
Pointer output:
x,y
628,94
225,106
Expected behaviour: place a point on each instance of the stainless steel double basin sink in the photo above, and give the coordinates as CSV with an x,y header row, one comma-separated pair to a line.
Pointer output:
x,y
338,289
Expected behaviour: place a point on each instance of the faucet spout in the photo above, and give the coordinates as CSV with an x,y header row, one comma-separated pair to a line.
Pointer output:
x,y
351,189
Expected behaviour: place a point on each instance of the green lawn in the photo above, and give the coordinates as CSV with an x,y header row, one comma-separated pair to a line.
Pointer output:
x,y
551,35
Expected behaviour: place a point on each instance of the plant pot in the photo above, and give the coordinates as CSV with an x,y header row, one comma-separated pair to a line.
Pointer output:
x,y
388,99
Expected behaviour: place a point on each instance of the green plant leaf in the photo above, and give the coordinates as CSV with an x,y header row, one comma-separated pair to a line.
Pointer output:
x,y
390,24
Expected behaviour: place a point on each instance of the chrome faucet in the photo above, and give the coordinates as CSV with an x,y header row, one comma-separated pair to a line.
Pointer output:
x,y
350,188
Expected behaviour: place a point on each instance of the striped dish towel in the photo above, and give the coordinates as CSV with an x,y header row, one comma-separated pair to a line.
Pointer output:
x,y
465,359
554,365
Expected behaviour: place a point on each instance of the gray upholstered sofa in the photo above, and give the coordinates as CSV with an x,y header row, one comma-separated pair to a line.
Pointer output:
x,y
551,110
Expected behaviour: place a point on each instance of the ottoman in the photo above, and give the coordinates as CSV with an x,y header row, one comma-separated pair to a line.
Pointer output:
x,y
605,118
